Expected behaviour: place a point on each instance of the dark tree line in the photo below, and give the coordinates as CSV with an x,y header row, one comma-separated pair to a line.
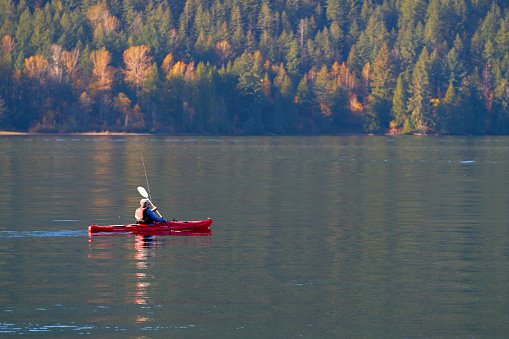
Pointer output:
x,y
255,66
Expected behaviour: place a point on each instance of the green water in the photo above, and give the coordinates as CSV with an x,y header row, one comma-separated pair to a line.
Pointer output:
x,y
321,237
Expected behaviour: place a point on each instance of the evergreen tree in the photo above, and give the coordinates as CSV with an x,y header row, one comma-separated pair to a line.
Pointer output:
x,y
491,23
433,29
378,114
23,33
488,54
265,19
452,122
304,95
437,79
454,69
502,39
409,43
293,59
335,12
399,108
336,38
411,12
419,103
237,33
372,38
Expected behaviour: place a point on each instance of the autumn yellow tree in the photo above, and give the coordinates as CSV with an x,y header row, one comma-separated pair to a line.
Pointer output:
x,y
102,72
167,63
36,68
137,63
101,85
70,61
178,69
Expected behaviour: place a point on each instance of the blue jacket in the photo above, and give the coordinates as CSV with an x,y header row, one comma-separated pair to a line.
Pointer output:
x,y
152,215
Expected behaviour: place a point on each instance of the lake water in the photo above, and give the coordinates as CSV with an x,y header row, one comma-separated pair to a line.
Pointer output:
x,y
317,237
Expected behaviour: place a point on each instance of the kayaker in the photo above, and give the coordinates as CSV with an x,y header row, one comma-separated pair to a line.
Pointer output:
x,y
145,215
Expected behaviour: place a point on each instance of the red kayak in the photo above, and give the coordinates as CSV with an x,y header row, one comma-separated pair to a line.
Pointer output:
x,y
179,226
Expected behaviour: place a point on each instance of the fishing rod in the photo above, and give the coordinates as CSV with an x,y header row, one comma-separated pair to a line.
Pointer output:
x,y
142,190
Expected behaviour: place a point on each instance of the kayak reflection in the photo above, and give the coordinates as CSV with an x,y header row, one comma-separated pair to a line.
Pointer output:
x,y
136,260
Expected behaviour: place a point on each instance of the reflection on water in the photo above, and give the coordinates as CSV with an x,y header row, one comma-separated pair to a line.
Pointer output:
x,y
143,257
145,247
28,234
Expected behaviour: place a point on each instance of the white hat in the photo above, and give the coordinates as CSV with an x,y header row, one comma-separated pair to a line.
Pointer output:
x,y
144,202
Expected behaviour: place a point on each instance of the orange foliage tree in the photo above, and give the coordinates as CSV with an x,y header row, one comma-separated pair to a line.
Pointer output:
x,y
36,67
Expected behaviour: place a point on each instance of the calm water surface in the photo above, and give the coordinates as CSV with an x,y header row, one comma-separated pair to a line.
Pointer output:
x,y
330,237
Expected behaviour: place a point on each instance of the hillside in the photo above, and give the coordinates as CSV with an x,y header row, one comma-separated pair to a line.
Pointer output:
x,y
255,67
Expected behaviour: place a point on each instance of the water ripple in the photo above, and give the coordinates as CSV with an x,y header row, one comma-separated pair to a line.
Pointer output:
x,y
31,234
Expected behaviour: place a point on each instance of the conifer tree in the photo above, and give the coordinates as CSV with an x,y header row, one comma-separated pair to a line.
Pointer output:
x,y
335,12
380,98
399,103
454,69
433,29
304,95
24,33
502,39
419,102
452,123
293,59
411,12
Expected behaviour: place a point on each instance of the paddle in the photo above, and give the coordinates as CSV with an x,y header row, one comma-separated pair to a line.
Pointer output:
x,y
144,194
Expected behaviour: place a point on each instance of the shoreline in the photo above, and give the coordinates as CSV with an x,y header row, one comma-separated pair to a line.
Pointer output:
x,y
7,133
73,133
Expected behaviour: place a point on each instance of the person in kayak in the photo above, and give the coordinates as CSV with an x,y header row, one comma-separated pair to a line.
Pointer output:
x,y
144,215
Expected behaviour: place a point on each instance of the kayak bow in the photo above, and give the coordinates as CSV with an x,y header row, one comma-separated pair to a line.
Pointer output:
x,y
179,226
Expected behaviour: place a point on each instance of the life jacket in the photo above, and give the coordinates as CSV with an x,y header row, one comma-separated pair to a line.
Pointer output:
x,y
142,216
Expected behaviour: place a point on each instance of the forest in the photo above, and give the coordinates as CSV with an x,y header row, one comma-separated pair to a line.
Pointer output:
x,y
246,67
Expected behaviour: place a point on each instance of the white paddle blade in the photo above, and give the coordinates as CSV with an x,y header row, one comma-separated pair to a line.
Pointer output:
x,y
143,192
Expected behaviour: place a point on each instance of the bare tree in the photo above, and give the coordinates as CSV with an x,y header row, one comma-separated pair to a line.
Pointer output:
x,y
70,60
8,44
345,78
111,24
224,51
56,71
97,14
